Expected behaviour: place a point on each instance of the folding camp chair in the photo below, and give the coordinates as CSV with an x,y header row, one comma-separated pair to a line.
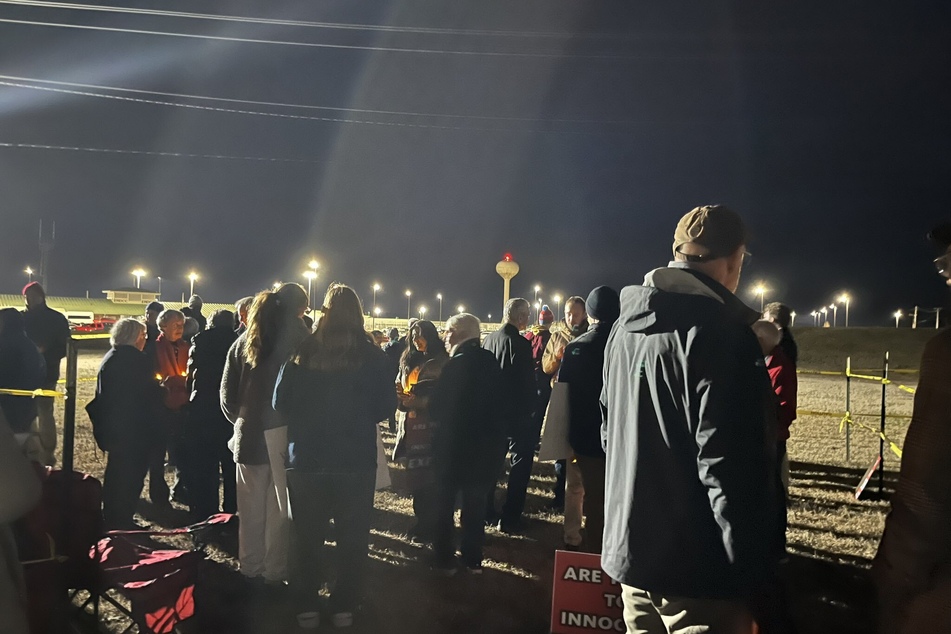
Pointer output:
x,y
158,582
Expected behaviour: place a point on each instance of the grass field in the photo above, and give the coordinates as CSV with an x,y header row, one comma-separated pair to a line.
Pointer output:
x,y
831,536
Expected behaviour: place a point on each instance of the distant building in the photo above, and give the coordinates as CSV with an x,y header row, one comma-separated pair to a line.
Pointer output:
x,y
131,295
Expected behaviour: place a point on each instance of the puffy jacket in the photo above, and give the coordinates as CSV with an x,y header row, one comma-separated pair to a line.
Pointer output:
x,y
690,488
582,369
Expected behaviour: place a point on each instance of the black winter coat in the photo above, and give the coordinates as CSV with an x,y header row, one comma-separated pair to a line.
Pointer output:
x,y
517,394
22,367
49,330
689,495
582,368
468,440
129,400
206,366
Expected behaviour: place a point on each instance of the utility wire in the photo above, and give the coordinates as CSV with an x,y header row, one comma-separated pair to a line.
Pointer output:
x,y
315,24
261,159
351,47
259,113
402,113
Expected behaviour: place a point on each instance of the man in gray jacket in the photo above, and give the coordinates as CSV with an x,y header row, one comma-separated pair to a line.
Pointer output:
x,y
689,486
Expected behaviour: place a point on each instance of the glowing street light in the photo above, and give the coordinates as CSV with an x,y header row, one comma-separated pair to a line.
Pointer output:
x,y
792,319
311,275
844,298
376,313
276,285
825,315
313,265
29,273
557,299
460,308
538,289
138,273
191,280
835,312
409,294
439,297
490,316
760,289
898,315
422,311
376,287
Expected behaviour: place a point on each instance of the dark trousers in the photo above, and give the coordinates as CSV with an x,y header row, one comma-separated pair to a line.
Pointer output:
x,y
425,505
522,447
561,481
126,467
158,488
473,498
315,498
592,475
206,464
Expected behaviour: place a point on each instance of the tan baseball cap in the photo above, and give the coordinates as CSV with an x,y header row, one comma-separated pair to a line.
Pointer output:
x,y
709,232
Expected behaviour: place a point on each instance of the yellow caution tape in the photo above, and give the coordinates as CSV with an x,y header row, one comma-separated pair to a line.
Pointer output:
x,y
104,335
33,393
82,379
864,377
847,419
807,412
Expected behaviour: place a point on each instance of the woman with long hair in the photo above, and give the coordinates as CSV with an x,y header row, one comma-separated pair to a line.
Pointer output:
x,y
275,329
420,366
332,394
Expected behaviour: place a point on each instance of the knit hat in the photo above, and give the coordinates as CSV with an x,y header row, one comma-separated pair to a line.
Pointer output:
x,y
603,304
545,316
155,307
709,232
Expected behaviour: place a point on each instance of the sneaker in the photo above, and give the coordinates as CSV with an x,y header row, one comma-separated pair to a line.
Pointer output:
x,y
308,620
342,619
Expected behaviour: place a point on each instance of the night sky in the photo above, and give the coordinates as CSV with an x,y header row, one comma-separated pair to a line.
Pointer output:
x,y
579,133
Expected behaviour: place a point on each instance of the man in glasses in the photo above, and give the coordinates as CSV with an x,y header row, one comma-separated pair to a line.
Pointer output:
x,y
912,569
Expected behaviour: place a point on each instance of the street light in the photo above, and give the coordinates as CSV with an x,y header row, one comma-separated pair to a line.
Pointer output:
x,y
825,315
422,311
376,287
844,298
792,319
376,313
191,279
815,318
557,299
897,317
138,273
409,294
439,297
159,278
538,288
29,273
314,265
310,275
835,312
760,289
460,308
276,285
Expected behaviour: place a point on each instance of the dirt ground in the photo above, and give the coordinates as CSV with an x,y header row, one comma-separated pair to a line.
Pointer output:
x,y
832,538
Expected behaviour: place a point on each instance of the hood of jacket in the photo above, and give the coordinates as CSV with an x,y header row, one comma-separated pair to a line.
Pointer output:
x,y
675,294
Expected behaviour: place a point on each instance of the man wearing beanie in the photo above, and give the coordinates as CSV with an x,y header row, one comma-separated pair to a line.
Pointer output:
x,y
581,370
689,492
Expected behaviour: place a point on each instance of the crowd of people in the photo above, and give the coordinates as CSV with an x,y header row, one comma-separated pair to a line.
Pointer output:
x,y
678,398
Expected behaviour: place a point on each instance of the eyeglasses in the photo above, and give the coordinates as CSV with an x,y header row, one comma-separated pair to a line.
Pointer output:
x,y
943,265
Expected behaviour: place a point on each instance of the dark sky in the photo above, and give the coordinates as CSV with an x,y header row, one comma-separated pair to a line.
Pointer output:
x,y
576,145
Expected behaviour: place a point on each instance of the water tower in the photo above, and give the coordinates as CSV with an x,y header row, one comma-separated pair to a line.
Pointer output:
x,y
507,269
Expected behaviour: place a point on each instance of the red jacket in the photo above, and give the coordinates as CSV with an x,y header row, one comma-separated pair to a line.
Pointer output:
x,y
171,368
782,374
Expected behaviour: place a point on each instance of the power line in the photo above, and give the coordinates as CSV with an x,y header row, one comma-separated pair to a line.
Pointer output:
x,y
313,24
278,115
64,148
403,113
352,47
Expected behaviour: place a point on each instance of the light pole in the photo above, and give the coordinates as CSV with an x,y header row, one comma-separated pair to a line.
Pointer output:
x,y
439,297
460,309
897,317
191,279
409,294
138,273
422,311
835,313
29,274
313,265
815,318
376,313
760,289
538,289
844,298
376,287
792,319
310,274
557,299
825,316
159,278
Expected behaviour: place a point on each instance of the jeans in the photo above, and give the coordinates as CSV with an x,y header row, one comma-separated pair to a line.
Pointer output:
x,y
315,498
472,520
522,447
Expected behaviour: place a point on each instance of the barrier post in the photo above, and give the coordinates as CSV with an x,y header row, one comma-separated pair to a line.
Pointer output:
x,y
848,408
881,438
69,413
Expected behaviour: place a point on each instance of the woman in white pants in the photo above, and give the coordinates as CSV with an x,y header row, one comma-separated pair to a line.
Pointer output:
x,y
275,329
